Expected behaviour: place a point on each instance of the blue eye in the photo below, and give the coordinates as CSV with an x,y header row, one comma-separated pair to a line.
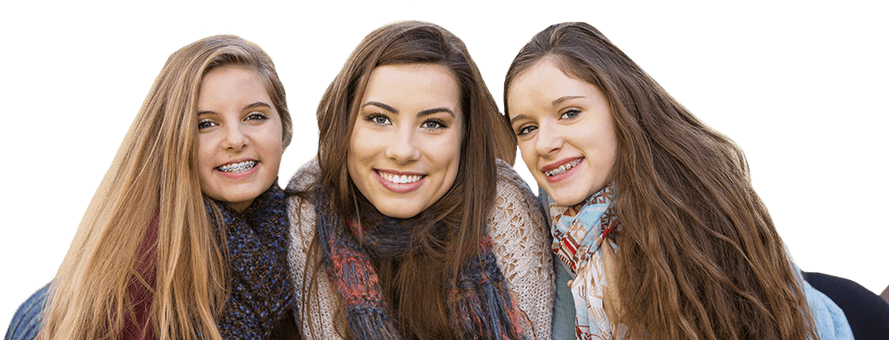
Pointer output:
x,y
526,130
378,119
571,113
433,124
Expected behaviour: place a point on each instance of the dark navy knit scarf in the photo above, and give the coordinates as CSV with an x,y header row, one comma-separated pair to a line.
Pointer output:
x,y
257,241
480,305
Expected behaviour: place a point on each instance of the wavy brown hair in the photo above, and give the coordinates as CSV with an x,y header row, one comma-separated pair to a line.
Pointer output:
x,y
699,256
154,174
416,298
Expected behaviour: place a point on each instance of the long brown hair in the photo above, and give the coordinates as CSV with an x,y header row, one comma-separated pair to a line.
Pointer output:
x,y
699,256
410,286
154,174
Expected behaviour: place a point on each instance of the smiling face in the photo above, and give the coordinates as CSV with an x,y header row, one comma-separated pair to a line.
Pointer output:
x,y
565,132
240,136
405,147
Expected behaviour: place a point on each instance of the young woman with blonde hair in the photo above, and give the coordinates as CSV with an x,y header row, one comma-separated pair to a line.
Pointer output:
x,y
407,225
653,213
186,236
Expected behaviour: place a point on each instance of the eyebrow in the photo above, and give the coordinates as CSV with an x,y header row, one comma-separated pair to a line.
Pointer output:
x,y
562,99
246,107
554,103
419,114
381,105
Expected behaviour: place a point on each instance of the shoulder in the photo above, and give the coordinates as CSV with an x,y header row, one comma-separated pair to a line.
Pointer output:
x,y
27,318
522,246
306,176
512,189
300,209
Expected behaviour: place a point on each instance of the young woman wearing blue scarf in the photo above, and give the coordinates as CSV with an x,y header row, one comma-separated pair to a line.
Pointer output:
x,y
653,214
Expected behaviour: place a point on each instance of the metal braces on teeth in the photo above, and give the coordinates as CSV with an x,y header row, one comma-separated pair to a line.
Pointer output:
x,y
562,168
239,167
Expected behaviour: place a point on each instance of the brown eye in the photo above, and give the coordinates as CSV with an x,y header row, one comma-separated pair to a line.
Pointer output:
x,y
256,116
205,123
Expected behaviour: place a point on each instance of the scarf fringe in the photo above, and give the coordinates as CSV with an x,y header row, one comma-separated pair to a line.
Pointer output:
x,y
480,303
482,307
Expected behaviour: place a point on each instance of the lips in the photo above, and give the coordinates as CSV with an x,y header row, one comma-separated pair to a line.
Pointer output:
x,y
237,167
399,182
561,166
556,172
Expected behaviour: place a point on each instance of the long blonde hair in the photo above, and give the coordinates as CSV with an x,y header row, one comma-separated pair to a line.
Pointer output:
x,y
154,175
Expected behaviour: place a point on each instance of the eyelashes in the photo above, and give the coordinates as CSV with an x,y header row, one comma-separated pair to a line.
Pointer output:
x,y
431,124
214,119
378,119
569,114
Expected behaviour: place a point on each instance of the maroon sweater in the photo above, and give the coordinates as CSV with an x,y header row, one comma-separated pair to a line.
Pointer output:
x,y
140,295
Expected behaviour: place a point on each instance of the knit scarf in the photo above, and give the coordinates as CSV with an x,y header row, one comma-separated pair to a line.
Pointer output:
x,y
257,243
480,304
584,239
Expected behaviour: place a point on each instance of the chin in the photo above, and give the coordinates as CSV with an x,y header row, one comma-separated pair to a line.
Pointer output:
x,y
398,211
567,199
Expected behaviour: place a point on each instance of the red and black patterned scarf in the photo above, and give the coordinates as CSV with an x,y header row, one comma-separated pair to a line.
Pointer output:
x,y
480,304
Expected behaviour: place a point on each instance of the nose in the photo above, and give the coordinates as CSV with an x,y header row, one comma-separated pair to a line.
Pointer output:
x,y
234,138
402,146
548,140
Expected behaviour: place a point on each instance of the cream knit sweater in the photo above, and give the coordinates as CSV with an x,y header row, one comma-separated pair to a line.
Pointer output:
x,y
521,245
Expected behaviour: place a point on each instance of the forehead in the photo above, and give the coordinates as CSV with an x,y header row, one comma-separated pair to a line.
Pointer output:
x,y
413,87
542,83
231,82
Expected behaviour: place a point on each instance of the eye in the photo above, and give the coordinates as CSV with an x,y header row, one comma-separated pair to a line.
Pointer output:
x,y
526,130
571,113
378,119
433,124
256,115
206,123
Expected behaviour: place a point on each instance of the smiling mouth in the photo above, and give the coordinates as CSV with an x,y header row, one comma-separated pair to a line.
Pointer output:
x,y
403,179
563,168
237,167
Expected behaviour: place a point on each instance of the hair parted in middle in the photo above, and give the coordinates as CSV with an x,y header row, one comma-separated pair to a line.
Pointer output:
x,y
420,308
699,255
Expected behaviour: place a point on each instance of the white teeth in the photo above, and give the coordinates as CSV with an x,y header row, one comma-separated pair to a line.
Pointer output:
x,y
237,167
403,179
562,168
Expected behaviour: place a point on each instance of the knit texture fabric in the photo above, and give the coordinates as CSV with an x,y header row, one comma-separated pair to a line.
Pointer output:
x,y
480,304
257,243
521,246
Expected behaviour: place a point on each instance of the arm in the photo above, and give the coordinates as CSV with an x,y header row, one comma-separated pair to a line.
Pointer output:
x,y
522,244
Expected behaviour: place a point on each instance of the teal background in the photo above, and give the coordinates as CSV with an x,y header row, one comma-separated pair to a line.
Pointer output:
x,y
797,85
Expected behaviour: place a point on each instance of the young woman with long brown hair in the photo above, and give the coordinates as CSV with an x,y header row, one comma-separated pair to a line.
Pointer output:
x,y
653,213
407,225
186,237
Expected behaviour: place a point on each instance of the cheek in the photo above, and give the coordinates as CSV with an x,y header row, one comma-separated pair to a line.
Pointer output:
x,y
205,155
529,156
